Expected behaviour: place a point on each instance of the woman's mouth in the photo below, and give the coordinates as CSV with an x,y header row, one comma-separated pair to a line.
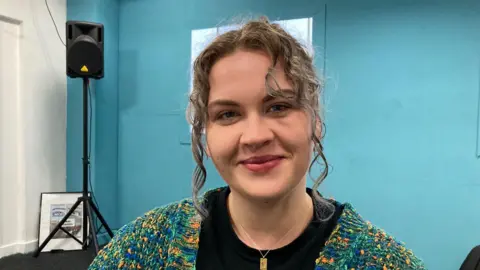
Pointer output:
x,y
262,163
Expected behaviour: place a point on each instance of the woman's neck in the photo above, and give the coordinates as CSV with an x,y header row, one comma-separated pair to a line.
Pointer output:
x,y
270,225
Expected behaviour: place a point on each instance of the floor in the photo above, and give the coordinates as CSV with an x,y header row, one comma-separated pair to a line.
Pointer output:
x,y
66,260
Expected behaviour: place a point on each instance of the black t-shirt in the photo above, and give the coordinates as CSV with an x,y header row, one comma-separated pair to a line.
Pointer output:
x,y
220,248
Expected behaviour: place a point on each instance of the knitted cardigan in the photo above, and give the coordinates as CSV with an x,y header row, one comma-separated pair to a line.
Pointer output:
x,y
167,238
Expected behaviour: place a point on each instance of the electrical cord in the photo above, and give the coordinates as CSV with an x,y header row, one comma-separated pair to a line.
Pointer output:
x,y
89,152
54,24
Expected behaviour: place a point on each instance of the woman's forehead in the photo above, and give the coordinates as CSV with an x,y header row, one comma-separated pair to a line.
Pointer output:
x,y
245,74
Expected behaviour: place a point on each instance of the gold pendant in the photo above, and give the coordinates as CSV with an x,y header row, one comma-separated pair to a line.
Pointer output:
x,y
263,263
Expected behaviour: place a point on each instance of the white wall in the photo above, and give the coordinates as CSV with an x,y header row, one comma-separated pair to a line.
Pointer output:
x,y
32,116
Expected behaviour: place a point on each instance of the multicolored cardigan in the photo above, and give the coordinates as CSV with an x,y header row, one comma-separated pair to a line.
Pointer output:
x,y
168,237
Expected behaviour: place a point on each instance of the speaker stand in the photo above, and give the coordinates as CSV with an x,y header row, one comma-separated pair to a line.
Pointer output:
x,y
89,207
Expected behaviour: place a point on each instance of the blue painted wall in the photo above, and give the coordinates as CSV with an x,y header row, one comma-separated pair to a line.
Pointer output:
x,y
402,111
402,97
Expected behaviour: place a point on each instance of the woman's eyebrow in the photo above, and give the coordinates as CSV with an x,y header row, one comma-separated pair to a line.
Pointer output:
x,y
222,102
287,93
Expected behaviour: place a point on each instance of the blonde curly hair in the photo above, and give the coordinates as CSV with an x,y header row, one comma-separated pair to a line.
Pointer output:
x,y
271,38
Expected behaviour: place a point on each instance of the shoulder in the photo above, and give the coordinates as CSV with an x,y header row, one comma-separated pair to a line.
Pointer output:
x,y
359,243
144,241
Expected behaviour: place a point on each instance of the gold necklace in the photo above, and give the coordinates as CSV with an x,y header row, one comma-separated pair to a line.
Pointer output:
x,y
263,259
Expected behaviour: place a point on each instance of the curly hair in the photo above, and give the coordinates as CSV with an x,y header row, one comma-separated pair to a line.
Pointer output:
x,y
271,38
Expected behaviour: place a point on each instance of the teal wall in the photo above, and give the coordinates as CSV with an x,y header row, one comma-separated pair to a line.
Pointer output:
x,y
402,110
402,97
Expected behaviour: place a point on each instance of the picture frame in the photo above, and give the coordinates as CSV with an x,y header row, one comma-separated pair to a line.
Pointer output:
x,y
53,207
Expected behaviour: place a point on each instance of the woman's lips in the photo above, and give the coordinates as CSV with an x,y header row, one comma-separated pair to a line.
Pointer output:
x,y
263,163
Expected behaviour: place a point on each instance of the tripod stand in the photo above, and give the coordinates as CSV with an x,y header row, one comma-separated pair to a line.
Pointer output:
x,y
87,203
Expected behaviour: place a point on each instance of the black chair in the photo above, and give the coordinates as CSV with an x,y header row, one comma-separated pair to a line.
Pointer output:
x,y
472,262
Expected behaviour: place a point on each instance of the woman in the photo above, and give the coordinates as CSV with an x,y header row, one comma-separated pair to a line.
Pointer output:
x,y
255,112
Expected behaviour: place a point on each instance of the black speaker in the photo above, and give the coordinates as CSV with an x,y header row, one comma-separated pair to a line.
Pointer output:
x,y
84,49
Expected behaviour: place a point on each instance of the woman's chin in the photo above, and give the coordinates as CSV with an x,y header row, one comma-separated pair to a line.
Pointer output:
x,y
264,191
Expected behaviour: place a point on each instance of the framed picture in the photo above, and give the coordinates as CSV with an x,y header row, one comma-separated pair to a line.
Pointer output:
x,y
53,208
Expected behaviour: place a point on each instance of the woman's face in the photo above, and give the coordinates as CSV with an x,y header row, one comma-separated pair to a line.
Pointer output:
x,y
260,145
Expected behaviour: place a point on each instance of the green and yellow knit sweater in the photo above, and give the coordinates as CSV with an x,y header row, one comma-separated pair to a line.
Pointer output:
x,y
168,238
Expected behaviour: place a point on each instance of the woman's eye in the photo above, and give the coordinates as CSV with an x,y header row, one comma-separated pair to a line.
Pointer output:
x,y
278,108
226,115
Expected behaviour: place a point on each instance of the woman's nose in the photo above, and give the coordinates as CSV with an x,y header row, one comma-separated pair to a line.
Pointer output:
x,y
256,134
